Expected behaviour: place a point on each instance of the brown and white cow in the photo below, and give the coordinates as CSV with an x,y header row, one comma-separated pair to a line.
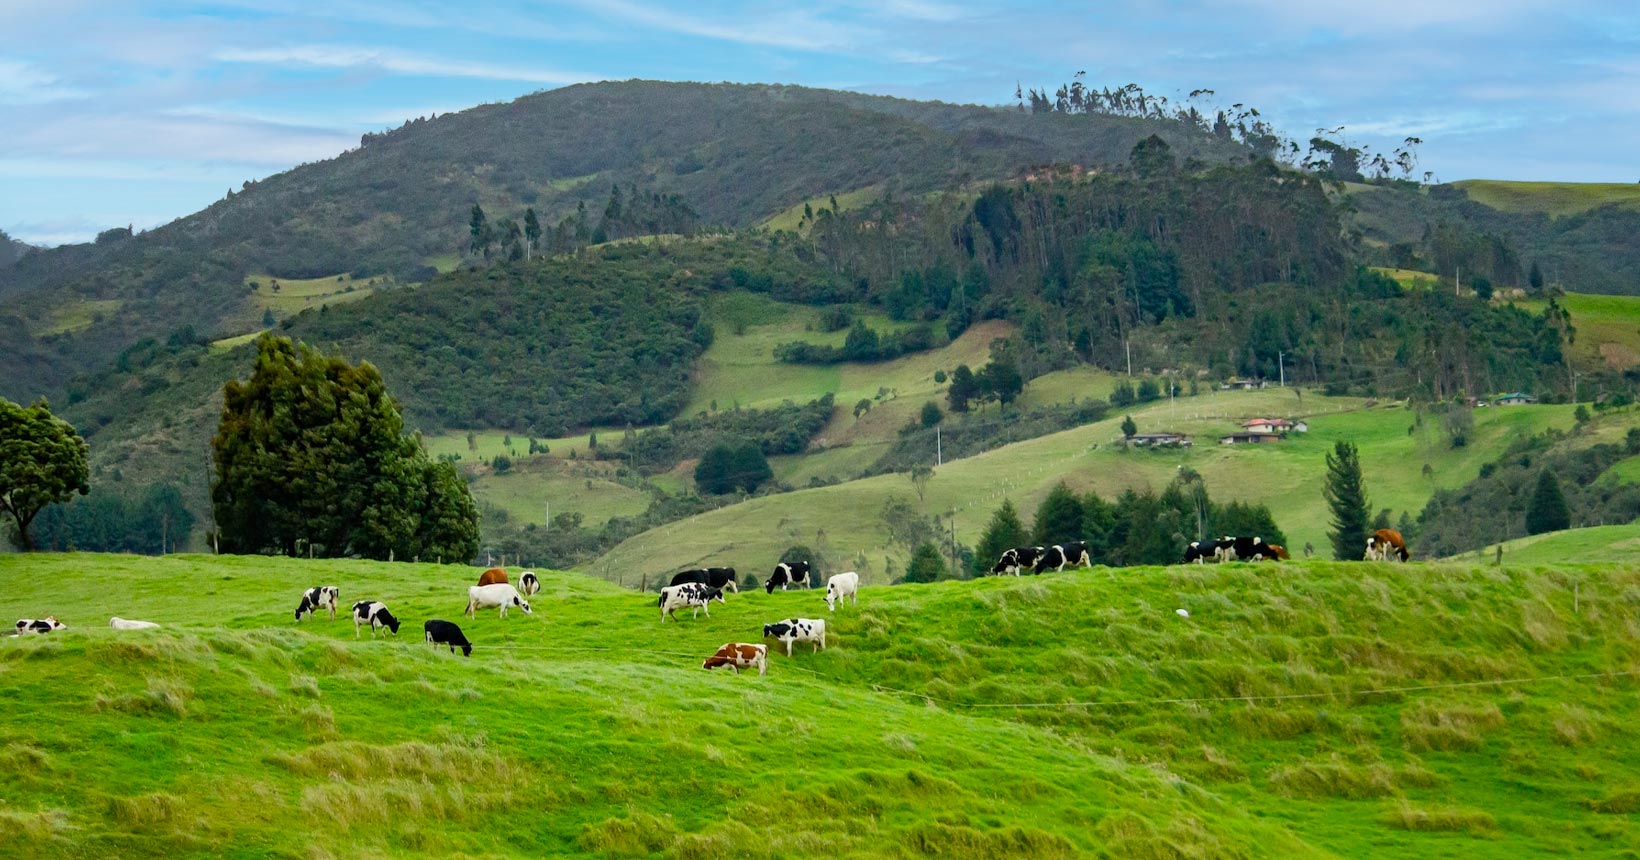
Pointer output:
x,y
493,576
1387,545
1280,551
739,655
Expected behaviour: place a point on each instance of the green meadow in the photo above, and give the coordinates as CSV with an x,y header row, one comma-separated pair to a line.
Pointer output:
x,y
1552,198
1300,710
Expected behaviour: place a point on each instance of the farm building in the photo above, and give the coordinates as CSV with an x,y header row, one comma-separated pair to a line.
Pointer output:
x,y
1251,437
1515,399
1243,384
1274,425
1158,440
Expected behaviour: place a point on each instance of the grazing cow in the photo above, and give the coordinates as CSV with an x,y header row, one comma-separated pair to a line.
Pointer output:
x,y
1200,550
39,625
446,633
788,574
1059,555
1017,559
1280,551
126,624
738,655
798,630
314,598
374,613
688,594
493,576
841,587
1387,545
716,577
500,595
1245,549
529,583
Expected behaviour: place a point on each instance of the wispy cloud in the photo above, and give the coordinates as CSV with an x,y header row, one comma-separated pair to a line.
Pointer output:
x,y
752,25
25,84
388,60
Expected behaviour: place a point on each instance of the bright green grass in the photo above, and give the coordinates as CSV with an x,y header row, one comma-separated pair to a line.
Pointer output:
x,y
445,262
1285,476
1409,279
227,343
1627,470
1552,198
1608,327
79,315
588,729
859,197
526,493
1618,544
295,295
493,443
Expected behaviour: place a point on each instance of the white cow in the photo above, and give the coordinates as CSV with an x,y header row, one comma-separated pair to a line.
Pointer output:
x,y
798,630
688,595
501,595
126,624
841,587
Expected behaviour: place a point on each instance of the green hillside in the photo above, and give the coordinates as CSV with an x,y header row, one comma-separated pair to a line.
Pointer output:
x,y
1608,328
1551,198
1609,545
843,521
1325,710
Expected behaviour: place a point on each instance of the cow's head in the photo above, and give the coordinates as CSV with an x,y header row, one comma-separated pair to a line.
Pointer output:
x,y
523,604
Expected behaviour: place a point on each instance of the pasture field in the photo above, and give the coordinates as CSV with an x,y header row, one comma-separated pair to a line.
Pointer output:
x,y
526,491
843,521
1550,198
1410,279
298,294
789,219
1300,710
1614,545
1608,327
79,316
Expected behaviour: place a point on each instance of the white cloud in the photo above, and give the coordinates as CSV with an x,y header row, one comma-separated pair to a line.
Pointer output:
x,y
351,57
24,84
798,30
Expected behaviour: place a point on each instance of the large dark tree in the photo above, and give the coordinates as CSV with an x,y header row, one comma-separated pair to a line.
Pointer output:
x,y
42,462
311,458
1059,517
1347,499
1546,510
729,467
1002,533
926,565
964,387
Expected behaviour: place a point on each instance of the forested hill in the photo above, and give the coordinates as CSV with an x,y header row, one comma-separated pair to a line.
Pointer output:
x,y
11,250
735,153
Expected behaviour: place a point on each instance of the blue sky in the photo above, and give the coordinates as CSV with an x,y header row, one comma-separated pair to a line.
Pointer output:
x,y
139,112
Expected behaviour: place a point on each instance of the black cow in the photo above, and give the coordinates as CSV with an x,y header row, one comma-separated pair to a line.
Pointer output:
x,y
447,633
1017,559
788,574
1201,550
1059,555
716,577
1245,549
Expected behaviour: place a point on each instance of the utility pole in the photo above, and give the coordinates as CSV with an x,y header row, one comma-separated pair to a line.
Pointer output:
x,y
1128,345
548,526
1281,360
939,451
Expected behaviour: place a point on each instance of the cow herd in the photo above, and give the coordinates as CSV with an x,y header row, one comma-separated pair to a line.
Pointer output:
x,y
696,589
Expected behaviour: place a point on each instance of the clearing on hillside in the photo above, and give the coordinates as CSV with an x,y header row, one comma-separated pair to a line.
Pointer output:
x,y
1551,198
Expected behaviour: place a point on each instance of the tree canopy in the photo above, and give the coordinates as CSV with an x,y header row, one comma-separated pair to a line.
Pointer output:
x,y
42,462
311,458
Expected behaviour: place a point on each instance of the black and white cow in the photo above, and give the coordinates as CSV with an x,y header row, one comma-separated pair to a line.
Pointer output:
x,y
687,595
788,574
1200,551
798,630
446,633
375,614
1245,549
313,599
1017,559
716,577
528,583
1057,556
39,625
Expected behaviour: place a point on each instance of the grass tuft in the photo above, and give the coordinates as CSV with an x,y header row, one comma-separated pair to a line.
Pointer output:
x,y
163,696
1428,726
1405,816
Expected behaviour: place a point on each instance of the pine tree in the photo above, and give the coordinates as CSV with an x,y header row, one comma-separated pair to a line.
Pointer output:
x,y
1546,510
926,565
1129,428
1058,518
1002,533
532,229
964,387
1347,498
478,228
1535,278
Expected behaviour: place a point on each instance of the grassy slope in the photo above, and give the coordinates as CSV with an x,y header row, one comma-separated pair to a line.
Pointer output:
x,y
1618,544
1608,328
589,729
1287,477
1552,198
